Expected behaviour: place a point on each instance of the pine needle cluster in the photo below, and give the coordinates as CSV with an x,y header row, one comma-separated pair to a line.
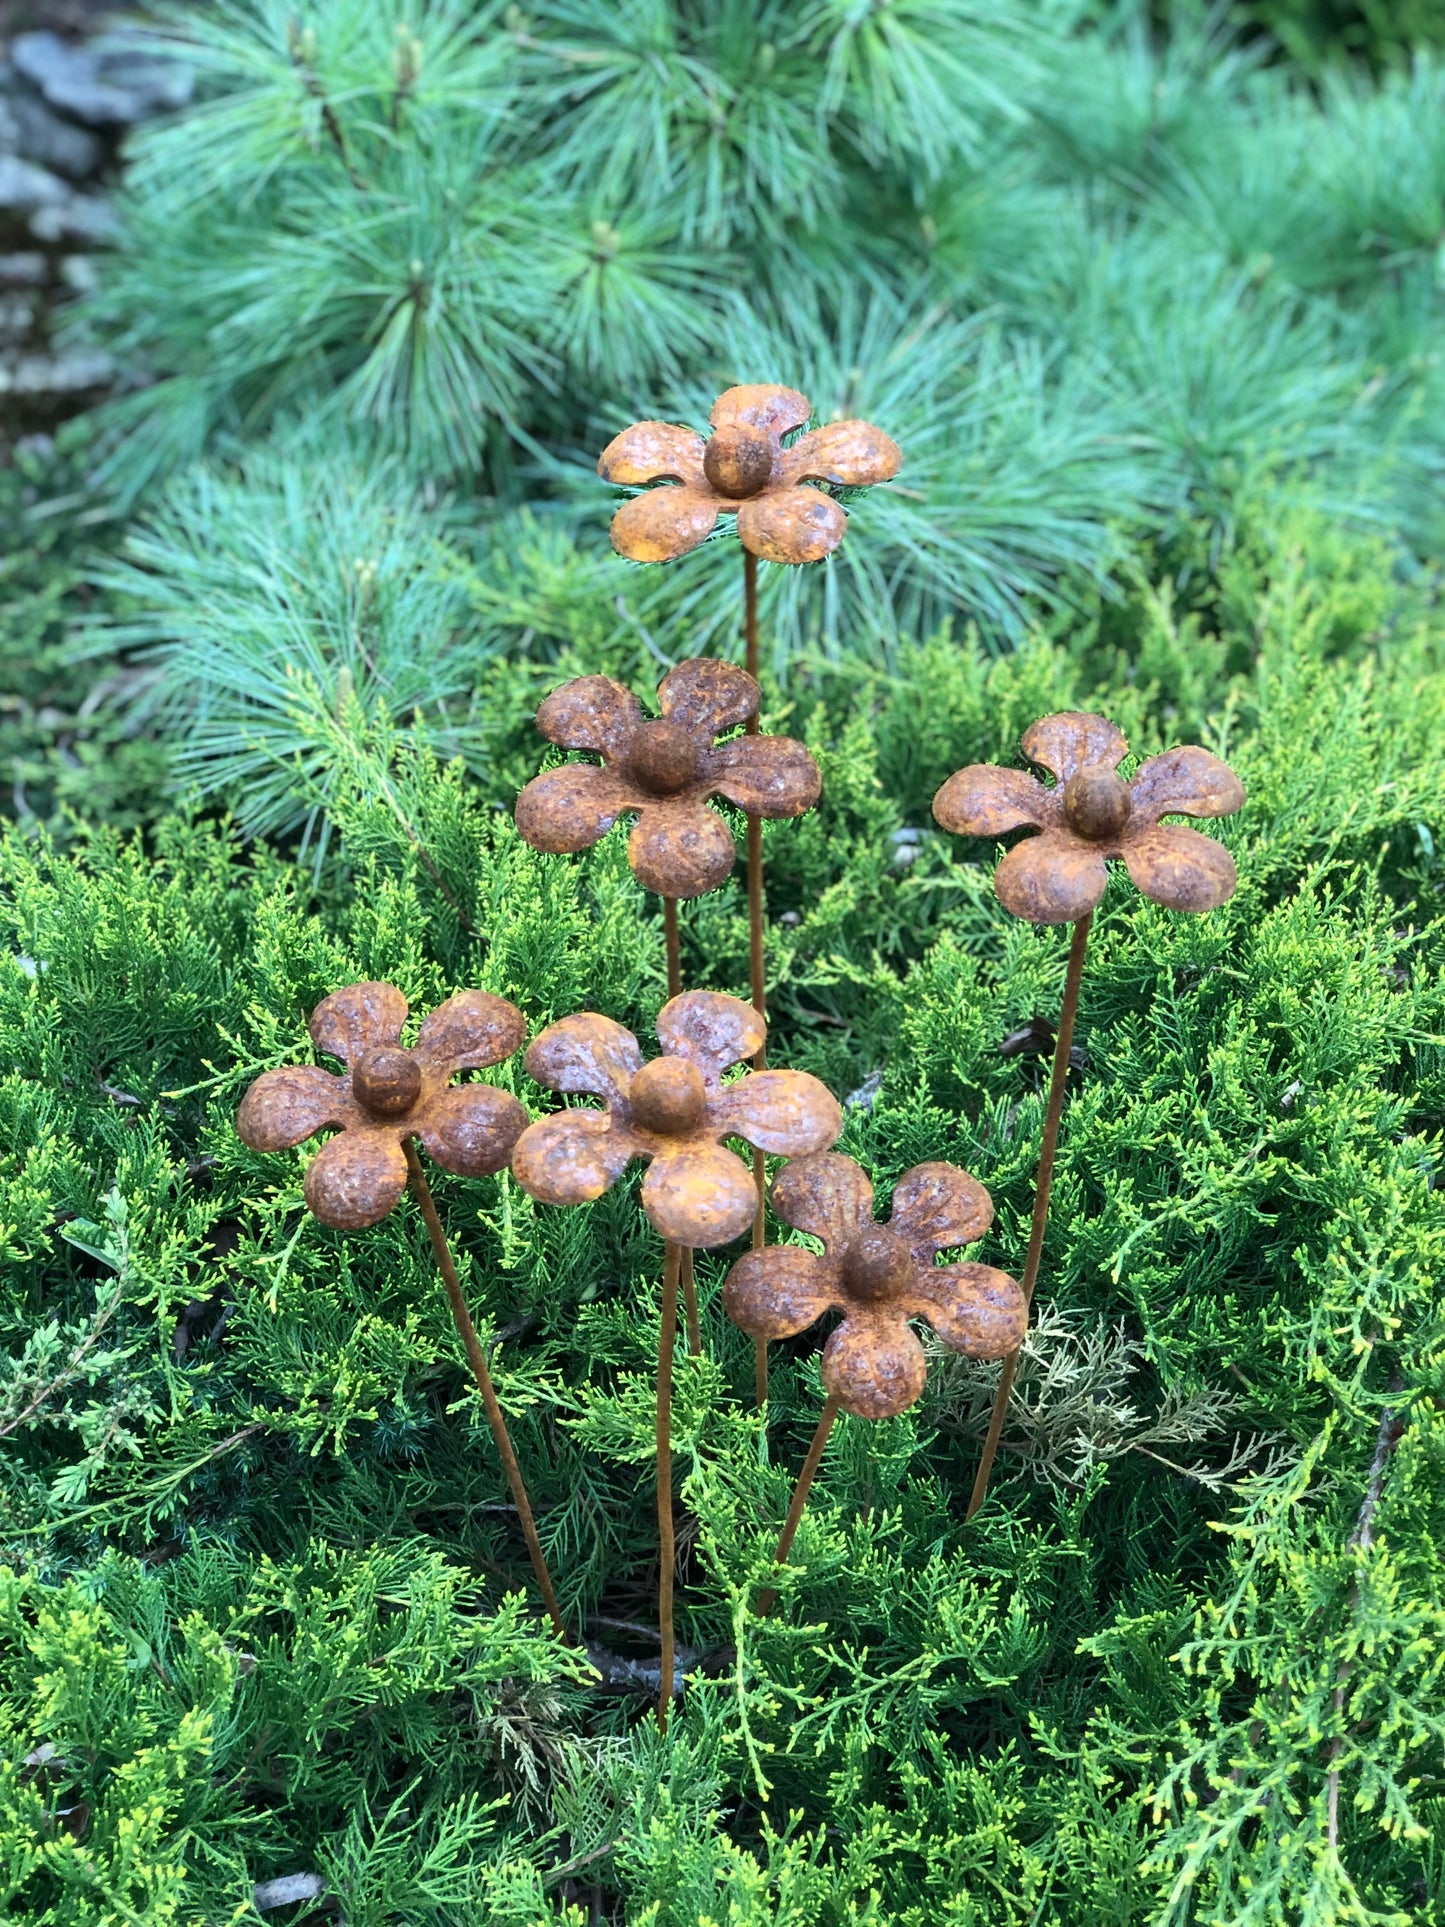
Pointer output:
x,y
1101,283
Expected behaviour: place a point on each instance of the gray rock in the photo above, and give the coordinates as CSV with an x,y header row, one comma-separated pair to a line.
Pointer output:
x,y
111,81
17,316
286,1890
863,1098
80,273
81,220
57,144
23,270
40,375
24,187
29,129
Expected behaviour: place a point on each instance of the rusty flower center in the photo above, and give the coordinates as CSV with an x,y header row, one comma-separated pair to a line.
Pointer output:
x,y
387,1081
877,1266
663,757
668,1096
1096,803
738,461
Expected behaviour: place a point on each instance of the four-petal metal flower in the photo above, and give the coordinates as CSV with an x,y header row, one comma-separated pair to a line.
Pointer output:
x,y
1089,814
389,1095
879,1276
665,770
674,1111
743,469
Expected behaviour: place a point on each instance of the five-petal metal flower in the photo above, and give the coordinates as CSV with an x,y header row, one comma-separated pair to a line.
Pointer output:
x,y
743,469
1091,813
665,770
389,1095
878,1276
675,1111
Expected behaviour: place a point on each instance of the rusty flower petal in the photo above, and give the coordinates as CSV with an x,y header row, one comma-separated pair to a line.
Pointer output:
x,y
874,1367
827,1195
708,698
849,454
468,1032
664,523
571,807
680,848
761,404
710,1030
1184,782
988,800
471,1129
788,1113
591,712
1064,743
780,1291
572,1156
1053,878
699,1198
586,1054
937,1207
1180,868
356,1179
353,1021
285,1107
974,1309
653,452
793,525
767,775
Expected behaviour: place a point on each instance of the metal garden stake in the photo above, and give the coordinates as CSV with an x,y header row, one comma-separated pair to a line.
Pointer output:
x,y
1089,815
665,771
390,1096
879,1276
743,469
674,1112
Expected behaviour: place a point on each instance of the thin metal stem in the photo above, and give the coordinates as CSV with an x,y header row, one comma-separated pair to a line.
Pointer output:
x,y
689,1305
1058,1084
667,1552
476,1358
673,941
768,1597
757,965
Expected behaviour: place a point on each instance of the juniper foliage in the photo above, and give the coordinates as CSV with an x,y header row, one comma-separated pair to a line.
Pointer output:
x,y
264,1615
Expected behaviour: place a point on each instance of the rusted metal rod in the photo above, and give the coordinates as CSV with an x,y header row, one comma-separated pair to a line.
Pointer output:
x,y
476,1358
768,1597
673,940
667,1551
756,956
1058,1083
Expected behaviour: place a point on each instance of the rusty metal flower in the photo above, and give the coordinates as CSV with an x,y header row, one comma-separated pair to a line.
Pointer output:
x,y
743,469
1089,814
665,770
675,1111
878,1276
389,1094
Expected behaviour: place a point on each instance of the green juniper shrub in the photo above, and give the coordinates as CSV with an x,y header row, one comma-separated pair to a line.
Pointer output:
x,y
264,1608
73,731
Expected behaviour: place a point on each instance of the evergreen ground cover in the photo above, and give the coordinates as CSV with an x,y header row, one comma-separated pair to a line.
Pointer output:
x,y
1152,319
